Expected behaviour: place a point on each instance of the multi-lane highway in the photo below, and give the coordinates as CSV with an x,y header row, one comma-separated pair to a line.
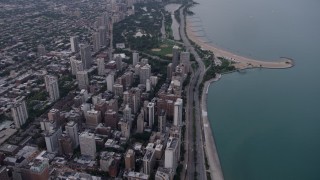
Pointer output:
x,y
193,115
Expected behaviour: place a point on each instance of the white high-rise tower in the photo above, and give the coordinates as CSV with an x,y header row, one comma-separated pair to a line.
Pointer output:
x,y
52,87
74,41
19,112
177,119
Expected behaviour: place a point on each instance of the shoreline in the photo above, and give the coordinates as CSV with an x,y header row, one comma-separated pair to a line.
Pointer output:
x,y
240,62
210,145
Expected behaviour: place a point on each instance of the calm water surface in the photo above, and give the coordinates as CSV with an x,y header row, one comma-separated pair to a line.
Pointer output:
x,y
266,122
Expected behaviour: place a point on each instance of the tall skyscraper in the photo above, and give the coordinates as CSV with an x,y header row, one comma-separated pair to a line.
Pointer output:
x,y
19,112
75,65
103,35
88,144
135,58
140,122
135,99
184,57
74,41
129,160
148,161
83,79
85,53
172,153
96,42
125,129
51,139
72,131
65,145
127,116
101,66
118,60
177,118
162,118
150,114
52,87
110,82
145,73
118,89
175,57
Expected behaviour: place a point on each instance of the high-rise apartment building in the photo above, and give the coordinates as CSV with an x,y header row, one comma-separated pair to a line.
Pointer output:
x,y
150,114
111,119
85,53
118,89
185,59
52,87
76,65
88,144
93,118
145,73
148,161
110,82
162,118
125,127
74,41
172,153
65,145
83,79
178,108
140,122
96,42
72,132
135,99
118,60
175,57
135,58
129,160
51,139
101,66
103,35
54,115
127,114
19,112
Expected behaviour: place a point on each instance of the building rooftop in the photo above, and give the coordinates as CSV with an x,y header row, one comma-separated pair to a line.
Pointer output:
x,y
172,143
148,155
8,148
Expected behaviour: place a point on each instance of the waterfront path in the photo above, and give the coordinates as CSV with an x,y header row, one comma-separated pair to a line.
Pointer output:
x,y
210,147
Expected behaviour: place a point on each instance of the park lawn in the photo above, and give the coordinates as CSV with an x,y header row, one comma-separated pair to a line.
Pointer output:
x,y
166,48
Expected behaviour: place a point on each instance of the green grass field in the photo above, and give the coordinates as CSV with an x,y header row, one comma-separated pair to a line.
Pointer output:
x,y
166,48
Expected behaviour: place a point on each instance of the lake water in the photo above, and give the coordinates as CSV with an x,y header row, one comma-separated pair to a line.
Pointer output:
x,y
266,122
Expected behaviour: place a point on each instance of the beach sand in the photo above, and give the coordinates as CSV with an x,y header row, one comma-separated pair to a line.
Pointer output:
x,y
241,62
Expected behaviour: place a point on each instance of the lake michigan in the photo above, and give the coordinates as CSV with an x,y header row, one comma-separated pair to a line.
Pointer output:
x,y
266,122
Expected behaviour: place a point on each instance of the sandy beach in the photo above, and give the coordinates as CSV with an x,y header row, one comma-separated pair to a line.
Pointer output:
x,y
241,62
